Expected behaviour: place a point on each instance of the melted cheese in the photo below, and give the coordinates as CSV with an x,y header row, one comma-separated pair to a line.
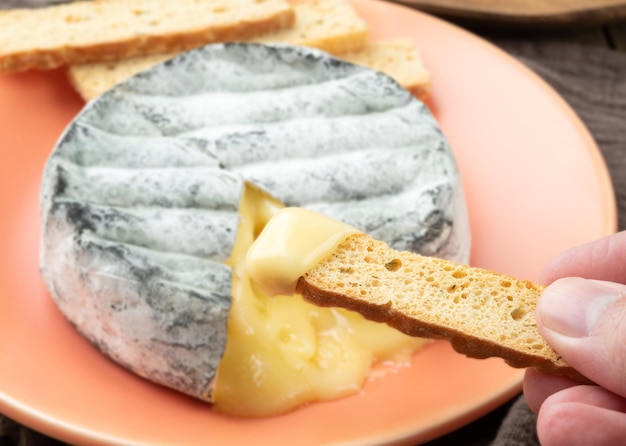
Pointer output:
x,y
283,352
292,242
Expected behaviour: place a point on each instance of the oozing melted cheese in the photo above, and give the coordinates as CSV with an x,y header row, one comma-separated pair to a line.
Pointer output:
x,y
291,243
283,352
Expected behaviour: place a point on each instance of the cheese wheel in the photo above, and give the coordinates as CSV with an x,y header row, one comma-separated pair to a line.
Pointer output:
x,y
141,196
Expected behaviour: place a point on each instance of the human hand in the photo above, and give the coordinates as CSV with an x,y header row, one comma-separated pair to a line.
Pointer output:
x,y
582,314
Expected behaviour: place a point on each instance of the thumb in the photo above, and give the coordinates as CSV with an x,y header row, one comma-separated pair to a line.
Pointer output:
x,y
585,322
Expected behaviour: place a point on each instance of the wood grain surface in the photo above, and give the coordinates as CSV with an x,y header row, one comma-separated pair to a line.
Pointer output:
x,y
526,12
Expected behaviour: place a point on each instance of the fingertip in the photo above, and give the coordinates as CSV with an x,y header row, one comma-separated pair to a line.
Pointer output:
x,y
556,423
583,415
571,307
583,321
539,386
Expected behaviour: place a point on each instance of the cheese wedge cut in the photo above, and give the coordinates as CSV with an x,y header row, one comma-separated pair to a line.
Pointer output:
x,y
280,255
156,190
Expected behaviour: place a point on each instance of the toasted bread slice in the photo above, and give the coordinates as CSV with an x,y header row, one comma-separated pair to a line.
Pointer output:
x,y
93,79
397,58
101,30
330,25
482,313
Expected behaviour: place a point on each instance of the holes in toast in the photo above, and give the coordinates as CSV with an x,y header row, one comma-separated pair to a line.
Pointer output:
x,y
458,274
518,313
73,18
534,344
459,297
393,265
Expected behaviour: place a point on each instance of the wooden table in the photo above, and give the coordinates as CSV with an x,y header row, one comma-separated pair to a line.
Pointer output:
x,y
610,36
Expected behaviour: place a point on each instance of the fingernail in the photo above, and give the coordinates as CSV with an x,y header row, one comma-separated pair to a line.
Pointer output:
x,y
573,306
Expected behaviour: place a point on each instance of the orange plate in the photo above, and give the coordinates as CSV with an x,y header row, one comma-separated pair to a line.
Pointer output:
x,y
535,184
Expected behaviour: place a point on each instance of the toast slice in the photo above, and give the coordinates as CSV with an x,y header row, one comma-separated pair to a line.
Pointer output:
x,y
482,313
397,58
102,30
330,25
